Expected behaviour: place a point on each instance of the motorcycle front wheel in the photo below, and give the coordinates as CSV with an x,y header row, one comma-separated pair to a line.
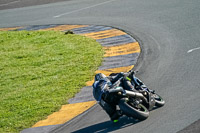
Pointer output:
x,y
159,100
139,112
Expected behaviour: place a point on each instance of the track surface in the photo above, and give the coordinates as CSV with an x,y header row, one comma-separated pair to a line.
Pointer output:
x,y
169,35
9,4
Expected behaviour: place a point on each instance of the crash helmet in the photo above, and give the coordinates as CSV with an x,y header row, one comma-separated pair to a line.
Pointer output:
x,y
99,76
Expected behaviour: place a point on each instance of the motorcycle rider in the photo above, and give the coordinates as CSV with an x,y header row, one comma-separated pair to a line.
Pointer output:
x,y
107,100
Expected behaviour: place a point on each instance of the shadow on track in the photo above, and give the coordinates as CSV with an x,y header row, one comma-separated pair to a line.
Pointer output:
x,y
108,126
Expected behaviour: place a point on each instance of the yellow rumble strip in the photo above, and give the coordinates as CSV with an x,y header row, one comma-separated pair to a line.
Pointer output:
x,y
7,29
122,49
104,34
66,113
64,27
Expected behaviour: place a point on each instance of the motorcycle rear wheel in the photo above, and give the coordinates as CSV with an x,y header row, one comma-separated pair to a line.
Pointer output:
x,y
140,112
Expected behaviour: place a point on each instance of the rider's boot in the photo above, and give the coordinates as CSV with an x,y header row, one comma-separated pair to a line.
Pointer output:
x,y
116,116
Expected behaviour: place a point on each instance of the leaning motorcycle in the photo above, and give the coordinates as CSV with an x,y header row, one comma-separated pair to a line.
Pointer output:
x,y
135,104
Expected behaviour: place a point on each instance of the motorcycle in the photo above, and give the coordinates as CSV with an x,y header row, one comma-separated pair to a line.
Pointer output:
x,y
135,104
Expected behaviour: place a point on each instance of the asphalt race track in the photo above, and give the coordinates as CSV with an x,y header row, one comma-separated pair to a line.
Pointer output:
x,y
10,4
168,32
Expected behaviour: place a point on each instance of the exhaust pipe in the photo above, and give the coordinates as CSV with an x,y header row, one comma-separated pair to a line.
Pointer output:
x,y
134,94
126,92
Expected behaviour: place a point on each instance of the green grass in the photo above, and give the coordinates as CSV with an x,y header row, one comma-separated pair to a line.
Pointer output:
x,y
40,71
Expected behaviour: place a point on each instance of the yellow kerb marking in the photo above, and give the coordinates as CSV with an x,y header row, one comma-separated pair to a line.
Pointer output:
x,y
107,72
66,113
64,27
122,49
105,34
7,29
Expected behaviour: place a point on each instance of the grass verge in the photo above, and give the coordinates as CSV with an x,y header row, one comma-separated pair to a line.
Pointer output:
x,y
40,71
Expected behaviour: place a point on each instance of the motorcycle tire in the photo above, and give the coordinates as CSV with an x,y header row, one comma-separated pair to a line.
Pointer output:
x,y
159,100
132,111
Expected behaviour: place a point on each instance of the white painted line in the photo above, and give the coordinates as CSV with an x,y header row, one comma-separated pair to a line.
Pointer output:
x,y
10,3
189,51
57,16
